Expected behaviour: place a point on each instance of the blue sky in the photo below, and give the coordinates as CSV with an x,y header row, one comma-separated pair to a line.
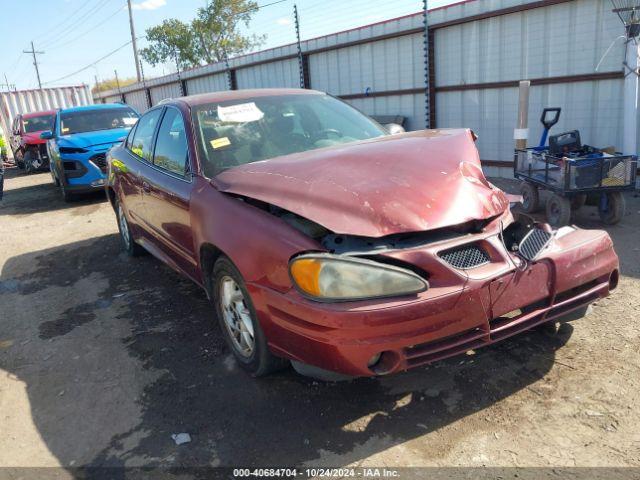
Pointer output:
x,y
75,33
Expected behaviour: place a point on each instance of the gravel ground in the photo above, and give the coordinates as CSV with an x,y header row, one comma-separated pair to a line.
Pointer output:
x,y
103,357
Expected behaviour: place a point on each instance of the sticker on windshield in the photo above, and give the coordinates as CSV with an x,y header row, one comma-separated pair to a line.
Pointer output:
x,y
220,142
241,113
65,129
129,121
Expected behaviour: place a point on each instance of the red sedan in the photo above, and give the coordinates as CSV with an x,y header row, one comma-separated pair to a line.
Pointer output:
x,y
325,241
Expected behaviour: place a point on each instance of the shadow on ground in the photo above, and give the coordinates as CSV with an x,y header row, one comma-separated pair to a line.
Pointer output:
x,y
164,325
42,197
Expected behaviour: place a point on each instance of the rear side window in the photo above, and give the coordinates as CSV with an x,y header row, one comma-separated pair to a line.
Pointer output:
x,y
171,144
143,136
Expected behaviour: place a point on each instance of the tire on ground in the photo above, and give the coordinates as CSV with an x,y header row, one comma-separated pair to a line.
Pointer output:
x,y
558,210
261,361
614,210
128,243
530,197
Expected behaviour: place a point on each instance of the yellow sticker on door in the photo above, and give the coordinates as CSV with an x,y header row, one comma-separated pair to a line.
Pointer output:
x,y
220,142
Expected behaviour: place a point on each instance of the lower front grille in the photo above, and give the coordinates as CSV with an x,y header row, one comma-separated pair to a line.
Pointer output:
x,y
100,161
466,257
533,243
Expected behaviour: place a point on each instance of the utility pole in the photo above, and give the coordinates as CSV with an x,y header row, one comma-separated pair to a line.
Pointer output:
x,y
35,61
133,42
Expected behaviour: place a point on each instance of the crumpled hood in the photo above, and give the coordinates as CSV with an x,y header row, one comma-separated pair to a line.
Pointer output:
x,y
90,139
412,182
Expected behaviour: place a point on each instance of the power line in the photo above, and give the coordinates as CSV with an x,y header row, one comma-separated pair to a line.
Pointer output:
x,y
91,64
52,32
70,30
88,31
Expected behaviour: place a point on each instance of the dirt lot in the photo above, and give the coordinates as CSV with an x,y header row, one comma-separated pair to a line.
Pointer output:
x,y
103,357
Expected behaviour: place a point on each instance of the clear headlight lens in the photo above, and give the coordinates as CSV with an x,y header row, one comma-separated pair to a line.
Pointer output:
x,y
333,277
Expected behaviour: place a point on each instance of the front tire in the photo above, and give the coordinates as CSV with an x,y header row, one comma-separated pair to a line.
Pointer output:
x,y
128,243
239,322
31,162
19,158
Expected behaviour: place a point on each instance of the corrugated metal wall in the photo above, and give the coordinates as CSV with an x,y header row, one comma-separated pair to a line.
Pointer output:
x,y
480,49
559,40
25,101
284,73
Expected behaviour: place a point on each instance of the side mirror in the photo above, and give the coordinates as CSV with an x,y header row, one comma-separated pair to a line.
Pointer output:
x,y
46,135
394,128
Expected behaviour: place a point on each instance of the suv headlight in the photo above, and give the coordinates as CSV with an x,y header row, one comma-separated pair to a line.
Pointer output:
x,y
327,277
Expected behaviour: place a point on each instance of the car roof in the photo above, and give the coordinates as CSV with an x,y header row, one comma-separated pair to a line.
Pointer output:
x,y
96,106
204,98
38,114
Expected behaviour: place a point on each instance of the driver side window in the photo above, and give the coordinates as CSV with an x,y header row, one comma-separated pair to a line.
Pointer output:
x,y
142,143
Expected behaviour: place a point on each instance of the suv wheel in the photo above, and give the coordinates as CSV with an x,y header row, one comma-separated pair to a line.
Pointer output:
x,y
239,322
19,158
31,162
129,244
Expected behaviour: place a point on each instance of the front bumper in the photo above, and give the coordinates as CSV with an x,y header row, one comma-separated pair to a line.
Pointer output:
x,y
494,303
83,172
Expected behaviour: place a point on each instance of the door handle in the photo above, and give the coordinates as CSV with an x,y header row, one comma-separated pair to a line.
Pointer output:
x,y
146,187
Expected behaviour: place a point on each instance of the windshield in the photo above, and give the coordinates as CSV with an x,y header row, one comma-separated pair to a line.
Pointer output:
x,y
253,129
38,124
93,120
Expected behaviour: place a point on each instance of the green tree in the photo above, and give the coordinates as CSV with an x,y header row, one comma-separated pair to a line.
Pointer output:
x,y
112,84
206,39
171,40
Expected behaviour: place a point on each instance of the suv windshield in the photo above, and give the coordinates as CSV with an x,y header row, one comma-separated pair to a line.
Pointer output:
x,y
99,119
252,129
37,124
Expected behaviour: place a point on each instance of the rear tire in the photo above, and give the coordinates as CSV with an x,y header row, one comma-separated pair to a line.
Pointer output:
x,y
614,210
128,243
558,211
530,197
239,322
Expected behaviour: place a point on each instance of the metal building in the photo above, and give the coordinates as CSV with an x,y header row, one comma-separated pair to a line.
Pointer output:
x,y
15,102
478,51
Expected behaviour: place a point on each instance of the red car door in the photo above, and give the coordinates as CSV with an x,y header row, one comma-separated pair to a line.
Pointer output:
x,y
131,164
167,189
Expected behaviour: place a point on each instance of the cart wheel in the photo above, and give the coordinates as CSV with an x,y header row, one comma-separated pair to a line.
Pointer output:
x,y
578,201
558,210
530,197
611,207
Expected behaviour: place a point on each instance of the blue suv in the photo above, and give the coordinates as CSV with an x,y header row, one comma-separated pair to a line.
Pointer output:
x,y
79,141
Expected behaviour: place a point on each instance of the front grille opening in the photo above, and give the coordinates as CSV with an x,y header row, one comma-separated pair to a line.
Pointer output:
x,y
435,350
100,161
466,257
534,242
574,292
69,165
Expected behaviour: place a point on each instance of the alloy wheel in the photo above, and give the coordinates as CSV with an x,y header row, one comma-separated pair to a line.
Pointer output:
x,y
124,227
236,316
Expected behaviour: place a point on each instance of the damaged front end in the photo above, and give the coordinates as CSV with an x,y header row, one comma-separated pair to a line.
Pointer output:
x,y
377,294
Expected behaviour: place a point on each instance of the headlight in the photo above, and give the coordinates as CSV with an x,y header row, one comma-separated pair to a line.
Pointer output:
x,y
328,277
